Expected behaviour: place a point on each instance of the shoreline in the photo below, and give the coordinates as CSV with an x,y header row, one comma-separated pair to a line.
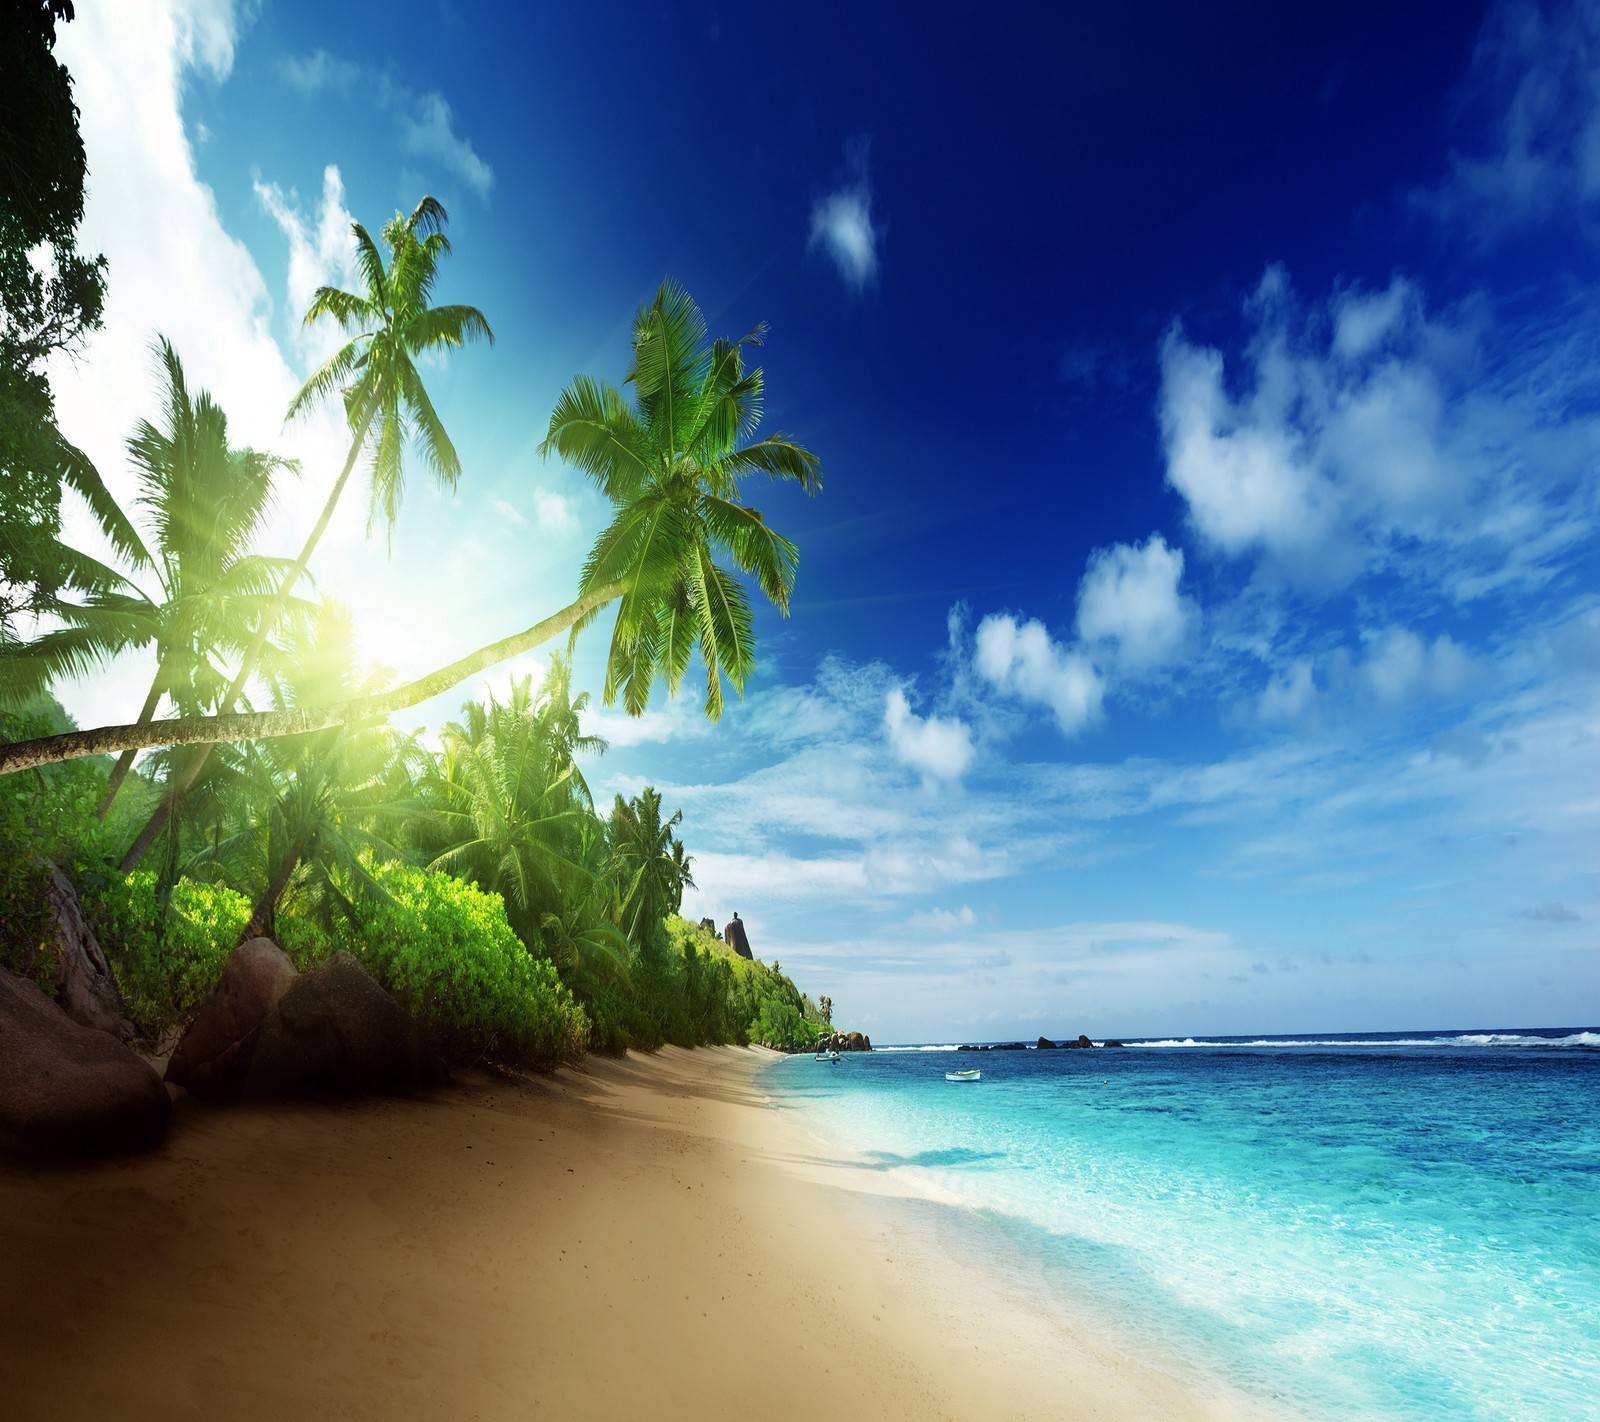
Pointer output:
x,y
643,1236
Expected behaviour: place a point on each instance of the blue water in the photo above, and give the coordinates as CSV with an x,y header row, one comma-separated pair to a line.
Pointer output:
x,y
1378,1226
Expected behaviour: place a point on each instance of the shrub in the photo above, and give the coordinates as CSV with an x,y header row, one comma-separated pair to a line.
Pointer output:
x,y
306,943
164,963
445,950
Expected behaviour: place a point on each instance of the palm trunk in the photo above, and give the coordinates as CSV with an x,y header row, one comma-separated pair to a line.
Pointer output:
x,y
119,772
186,779
263,725
263,920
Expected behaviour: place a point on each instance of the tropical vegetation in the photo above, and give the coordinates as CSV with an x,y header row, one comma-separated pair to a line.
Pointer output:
x,y
473,874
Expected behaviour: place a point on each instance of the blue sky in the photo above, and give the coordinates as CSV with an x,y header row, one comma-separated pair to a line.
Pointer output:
x,y
1200,627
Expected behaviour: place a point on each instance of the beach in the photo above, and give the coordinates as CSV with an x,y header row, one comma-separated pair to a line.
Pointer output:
x,y
636,1237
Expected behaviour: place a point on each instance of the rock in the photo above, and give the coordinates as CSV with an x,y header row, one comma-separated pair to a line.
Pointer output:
x,y
734,936
1045,1043
255,977
1084,1041
67,1088
332,1032
1111,1042
85,989
709,925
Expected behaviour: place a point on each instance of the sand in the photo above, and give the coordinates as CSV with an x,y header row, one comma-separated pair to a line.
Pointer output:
x,y
645,1238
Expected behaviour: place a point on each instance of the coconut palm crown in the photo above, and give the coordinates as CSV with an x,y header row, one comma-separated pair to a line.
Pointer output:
x,y
671,461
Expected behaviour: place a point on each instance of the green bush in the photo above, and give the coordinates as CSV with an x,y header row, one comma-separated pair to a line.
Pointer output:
x,y
445,950
304,942
164,963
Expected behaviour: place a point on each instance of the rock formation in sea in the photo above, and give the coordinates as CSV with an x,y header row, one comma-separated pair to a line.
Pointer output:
x,y
844,1042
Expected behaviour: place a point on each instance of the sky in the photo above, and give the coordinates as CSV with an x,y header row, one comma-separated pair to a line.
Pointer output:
x,y
1199,628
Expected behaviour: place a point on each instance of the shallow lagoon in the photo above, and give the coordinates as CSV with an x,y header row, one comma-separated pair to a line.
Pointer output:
x,y
1386,1226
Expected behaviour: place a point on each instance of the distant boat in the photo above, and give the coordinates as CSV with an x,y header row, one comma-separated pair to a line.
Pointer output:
x,y
827,1056
971,1074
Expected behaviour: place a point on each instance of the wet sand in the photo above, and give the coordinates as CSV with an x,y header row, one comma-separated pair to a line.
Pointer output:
x,y
644,1238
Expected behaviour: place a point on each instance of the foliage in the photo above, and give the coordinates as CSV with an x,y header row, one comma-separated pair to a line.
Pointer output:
x,y
45,305
446,951
165,958
46,816
671,463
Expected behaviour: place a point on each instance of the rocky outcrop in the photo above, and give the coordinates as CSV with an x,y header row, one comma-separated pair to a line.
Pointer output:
x,y
1043,1043
255,977
709,925
67,1088
1111,1042
85,989
734,936
332,1032
993,1047
845,1042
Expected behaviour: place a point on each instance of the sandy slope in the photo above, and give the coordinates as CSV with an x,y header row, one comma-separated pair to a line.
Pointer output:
x,y
640,1239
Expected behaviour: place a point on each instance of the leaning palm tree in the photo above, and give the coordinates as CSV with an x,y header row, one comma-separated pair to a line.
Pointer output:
x,y
201,502
391,326
671,461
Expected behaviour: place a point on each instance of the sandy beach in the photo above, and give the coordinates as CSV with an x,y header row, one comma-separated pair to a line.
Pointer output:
x,y
637,1238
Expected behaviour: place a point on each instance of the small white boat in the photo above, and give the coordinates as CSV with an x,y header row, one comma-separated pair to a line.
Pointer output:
x,y
971,1074
827,1056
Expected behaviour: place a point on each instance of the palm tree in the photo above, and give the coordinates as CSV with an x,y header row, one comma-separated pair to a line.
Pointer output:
x,y
374,373
648,864
506,805
671,463
310,806
202,503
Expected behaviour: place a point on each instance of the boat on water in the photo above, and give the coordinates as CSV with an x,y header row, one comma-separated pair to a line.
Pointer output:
x,y
971,1074
827,1056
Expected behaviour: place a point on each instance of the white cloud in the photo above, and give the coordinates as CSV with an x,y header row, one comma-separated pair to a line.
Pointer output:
x,y
1359,432
430,133
321,253
1022,660
842,222
937,749
1288,696
427,122
944,920
1536,81
320,71
1400,666
1129,598
553,513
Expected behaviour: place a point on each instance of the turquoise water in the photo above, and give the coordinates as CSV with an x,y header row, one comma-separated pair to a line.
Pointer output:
x,y
1394,1226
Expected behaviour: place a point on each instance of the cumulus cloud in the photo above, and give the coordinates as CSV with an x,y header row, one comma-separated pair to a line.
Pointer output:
x,y
1022,660
841,222
1400,666
1361,429
1129,600
938,749
1289,695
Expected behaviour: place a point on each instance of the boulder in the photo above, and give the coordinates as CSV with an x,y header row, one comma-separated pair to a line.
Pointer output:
x,y
85,989
1084,1041
734,936
255,977
334,1031
67,1088
1045,1043
710,926
1111,1042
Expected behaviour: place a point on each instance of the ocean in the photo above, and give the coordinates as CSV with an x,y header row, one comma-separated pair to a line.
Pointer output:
x,y
1378,1225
